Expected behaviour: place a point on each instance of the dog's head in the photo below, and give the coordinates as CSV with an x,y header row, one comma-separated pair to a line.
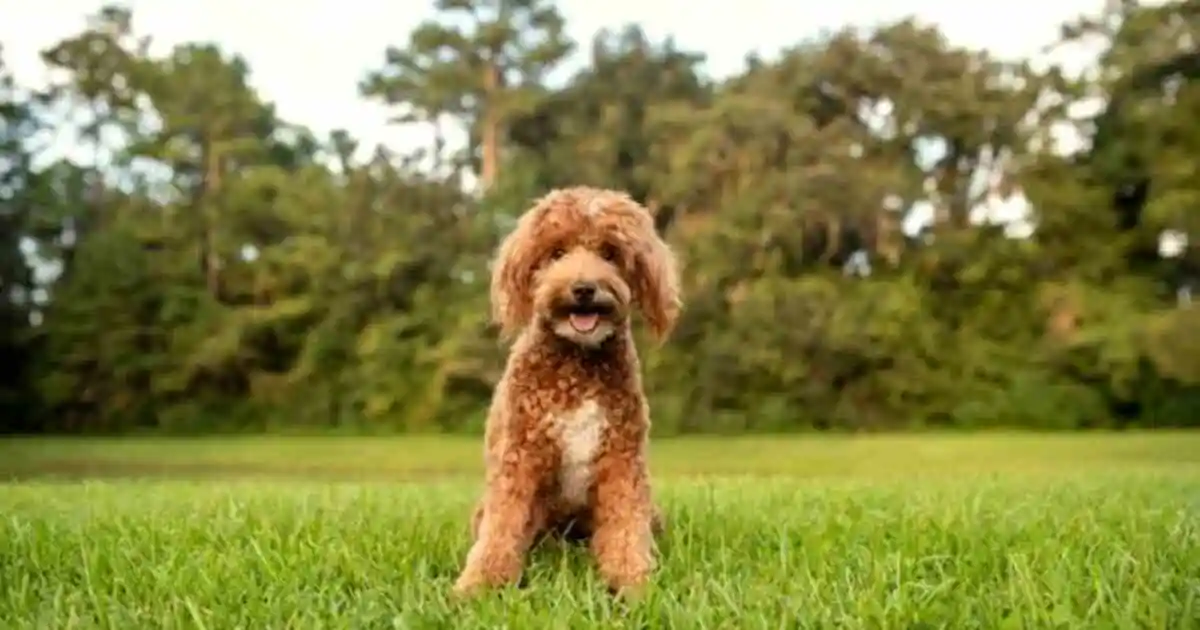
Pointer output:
x,y
578,262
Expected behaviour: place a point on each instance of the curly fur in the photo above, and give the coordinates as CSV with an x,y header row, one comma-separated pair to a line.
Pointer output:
x,y
565,442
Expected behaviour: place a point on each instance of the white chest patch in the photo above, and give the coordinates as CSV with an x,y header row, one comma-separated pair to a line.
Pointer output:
x,y
578,435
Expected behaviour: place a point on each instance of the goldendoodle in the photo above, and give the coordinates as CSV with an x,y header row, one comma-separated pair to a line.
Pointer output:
x,y
565,442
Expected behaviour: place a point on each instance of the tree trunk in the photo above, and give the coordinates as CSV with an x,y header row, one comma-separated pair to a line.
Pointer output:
x,y
439,142
887,242
491,126
210,259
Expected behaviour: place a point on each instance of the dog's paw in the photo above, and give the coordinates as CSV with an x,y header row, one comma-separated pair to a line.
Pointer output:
x,y
629,592
466,587
658,522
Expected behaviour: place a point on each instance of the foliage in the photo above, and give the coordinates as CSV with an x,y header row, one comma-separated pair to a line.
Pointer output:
x,y
217,268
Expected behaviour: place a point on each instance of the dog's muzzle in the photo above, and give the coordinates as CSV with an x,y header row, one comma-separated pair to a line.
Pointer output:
x,y
589,302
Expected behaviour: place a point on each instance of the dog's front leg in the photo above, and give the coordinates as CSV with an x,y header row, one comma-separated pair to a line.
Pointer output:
x,y
507,519
623,519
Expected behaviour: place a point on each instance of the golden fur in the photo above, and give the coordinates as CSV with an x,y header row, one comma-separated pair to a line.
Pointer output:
x,y
565,442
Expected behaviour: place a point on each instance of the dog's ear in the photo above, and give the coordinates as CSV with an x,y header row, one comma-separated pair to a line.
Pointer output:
x,y
512,278
656,282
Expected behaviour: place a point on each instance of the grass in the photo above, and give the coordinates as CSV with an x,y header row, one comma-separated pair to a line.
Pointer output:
x,y
436,457
984,531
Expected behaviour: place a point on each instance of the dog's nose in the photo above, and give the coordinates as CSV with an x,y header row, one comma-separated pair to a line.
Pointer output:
x,y
583,291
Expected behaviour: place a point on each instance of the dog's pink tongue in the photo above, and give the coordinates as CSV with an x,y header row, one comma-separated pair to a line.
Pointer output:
x,y
584,323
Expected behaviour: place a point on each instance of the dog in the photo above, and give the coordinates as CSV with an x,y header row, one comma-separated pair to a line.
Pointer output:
x,y
566,433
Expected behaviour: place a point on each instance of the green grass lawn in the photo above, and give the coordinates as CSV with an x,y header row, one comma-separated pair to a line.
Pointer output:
x,y
984,531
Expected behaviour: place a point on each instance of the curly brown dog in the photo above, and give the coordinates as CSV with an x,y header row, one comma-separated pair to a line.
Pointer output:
x,y
565,442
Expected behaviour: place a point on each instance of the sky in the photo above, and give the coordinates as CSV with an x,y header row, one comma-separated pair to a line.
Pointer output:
x,y
309,56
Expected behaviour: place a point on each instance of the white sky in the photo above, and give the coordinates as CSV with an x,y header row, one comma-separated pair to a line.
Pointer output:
x,y
308,55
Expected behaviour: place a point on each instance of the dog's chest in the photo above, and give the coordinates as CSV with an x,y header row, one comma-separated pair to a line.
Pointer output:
x,y
578,433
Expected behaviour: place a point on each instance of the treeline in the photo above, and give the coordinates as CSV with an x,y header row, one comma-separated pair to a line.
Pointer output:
x,y
217,268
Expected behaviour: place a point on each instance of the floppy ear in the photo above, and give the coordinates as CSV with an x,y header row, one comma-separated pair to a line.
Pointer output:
x,y
656,284
512,279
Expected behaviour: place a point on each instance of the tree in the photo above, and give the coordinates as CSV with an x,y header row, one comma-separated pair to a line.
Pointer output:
x,y
17,286
223,269
486,72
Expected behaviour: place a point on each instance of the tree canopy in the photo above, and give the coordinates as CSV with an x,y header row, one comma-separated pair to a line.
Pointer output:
x,y
215,267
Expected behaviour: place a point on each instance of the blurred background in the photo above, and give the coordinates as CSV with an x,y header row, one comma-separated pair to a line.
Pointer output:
x,y
279,217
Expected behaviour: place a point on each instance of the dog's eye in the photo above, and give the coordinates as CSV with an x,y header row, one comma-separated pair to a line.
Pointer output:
x,y
608,252
557,253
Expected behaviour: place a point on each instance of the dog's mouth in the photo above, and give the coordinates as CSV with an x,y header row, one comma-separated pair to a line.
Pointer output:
x,y
584,322
586,319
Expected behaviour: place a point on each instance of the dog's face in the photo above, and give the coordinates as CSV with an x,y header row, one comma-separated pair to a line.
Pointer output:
x,y
579,262
580,291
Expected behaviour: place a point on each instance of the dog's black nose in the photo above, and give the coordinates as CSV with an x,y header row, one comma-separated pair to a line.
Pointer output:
x,y
583,292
